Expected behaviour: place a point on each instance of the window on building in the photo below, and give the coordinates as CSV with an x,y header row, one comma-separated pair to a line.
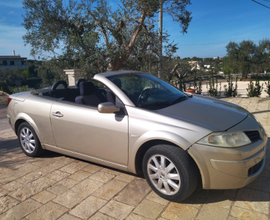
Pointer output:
x,y
23,62
11,63
5,63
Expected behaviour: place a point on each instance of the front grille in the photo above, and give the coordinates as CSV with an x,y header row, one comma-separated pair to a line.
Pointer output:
x,y
255,168
253,135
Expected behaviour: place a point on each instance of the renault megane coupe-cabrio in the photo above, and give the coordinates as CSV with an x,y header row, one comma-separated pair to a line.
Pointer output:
x,y
137,123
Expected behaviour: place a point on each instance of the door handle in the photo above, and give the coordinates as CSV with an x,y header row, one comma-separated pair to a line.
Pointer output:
x,y
57,114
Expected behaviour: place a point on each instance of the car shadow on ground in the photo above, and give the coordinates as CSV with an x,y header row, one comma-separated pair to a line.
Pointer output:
x,y
3,105
12,156
246,194
264,99
12,145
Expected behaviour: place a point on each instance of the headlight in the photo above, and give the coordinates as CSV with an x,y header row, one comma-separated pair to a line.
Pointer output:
x,y
226,139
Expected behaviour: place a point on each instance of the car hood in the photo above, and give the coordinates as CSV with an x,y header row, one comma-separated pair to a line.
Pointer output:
x,y
214,114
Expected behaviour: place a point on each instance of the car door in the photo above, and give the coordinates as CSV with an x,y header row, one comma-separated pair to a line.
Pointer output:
x,y
84,130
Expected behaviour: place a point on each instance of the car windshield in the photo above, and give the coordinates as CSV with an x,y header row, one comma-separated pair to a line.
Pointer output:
x,y
147,91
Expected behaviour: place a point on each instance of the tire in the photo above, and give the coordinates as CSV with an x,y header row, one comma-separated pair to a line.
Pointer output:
x,y
170,172
29,141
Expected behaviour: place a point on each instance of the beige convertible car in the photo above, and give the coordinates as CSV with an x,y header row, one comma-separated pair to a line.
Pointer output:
x,y
135,122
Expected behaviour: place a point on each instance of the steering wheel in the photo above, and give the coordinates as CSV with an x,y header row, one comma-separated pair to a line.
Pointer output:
x,y
57,83
144,95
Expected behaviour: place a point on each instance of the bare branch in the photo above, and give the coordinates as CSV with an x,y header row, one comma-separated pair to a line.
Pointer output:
x,y
101,26
137,32
175,68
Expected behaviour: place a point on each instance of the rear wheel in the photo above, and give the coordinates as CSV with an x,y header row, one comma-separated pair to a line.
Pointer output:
x,y
29,141
170,172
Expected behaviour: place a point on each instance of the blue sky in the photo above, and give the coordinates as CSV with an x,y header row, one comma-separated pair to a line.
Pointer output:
x,y
215,23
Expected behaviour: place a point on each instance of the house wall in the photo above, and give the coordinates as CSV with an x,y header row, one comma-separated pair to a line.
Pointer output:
x,y
13,62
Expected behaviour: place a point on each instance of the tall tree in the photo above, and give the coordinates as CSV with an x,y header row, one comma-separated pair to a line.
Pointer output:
x,y
180,69
242,53
262,57
91,34
246,56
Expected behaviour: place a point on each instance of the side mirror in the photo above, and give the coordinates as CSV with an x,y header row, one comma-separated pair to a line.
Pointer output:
x,y
107,107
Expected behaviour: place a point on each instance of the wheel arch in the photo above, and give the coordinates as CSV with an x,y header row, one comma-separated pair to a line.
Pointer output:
x,y
22,117
17,124
140,145
28,139
142,150
147,145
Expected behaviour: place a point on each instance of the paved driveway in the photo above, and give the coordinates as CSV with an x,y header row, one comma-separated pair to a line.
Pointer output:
x,y
59,187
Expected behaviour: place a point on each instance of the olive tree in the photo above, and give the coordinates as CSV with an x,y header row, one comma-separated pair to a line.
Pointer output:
x,y
246,56
90,34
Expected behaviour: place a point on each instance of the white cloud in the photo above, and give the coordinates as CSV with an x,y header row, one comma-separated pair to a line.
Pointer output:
x,y
12,4
8,31
11,12
11,39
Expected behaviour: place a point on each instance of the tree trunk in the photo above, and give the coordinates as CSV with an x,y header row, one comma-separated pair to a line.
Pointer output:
x,y
115,65
244,75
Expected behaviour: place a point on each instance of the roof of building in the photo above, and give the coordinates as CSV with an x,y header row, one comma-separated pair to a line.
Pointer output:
x,y
12,57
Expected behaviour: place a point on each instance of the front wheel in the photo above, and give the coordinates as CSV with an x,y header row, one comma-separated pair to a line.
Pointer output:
x,y
29,141
170,172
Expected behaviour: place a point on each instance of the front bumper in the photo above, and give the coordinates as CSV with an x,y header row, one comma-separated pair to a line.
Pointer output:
x,y
218,173
231,168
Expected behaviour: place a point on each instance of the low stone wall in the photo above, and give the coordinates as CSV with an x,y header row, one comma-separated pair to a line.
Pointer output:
x,y
4,93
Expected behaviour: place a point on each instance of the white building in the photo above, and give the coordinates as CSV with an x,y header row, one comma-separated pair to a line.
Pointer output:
x,y
195,65
13,61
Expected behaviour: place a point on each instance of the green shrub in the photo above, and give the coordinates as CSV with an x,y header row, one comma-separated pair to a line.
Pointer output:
x,y
199,86
267,90
213,92
21,89
231,90
34,82
4,87
213,86
182,85
254,90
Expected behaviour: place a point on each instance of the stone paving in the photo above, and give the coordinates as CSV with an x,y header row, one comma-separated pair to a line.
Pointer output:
x,y
59,187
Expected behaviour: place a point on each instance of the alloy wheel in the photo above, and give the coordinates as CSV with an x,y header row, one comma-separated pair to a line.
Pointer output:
x,y
163,174
27,140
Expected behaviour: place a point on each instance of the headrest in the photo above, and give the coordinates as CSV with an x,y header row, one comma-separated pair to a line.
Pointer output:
x,y
79,81
87,88
57,83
